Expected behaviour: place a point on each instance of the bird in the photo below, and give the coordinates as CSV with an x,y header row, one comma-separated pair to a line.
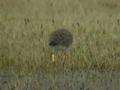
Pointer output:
x,y
60,40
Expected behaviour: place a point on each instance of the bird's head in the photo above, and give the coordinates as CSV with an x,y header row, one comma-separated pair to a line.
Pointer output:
x,y
52,43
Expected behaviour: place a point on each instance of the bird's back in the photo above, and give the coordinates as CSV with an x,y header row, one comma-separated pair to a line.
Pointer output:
x,y
60,37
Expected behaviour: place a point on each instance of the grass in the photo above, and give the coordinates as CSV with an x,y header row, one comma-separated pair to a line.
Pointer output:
x,y
26,24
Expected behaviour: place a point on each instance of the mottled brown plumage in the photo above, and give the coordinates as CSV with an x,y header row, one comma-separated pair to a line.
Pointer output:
x,y
60,38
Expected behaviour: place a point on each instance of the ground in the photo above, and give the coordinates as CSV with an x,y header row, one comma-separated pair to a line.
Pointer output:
x,y
25,26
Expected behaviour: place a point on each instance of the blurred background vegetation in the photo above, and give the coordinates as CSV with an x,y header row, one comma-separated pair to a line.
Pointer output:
x,y
26,24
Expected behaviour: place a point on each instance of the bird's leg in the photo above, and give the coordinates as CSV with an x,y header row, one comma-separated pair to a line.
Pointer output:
x,y
53,57
63,55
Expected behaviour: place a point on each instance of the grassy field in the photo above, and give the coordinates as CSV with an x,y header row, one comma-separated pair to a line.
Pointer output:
x,y
26,24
